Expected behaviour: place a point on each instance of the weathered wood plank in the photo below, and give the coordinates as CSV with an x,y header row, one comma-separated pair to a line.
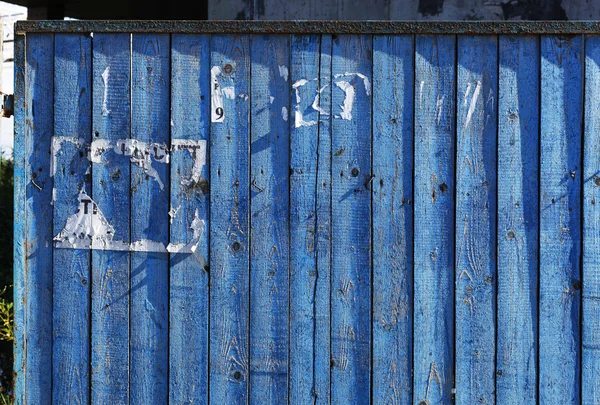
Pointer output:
x,y
190,120
33,221
351,219
393,88
476,192
518,220
111,121
229,219
269,243
435,58
71,169
310,204
149,346
591,227
560,219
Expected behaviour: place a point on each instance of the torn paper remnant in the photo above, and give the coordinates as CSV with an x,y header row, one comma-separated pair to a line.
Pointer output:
x,y
197,227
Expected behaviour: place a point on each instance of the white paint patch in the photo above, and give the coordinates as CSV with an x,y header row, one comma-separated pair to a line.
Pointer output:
x,y
348,104
439,106
216,96
105,77
197,227
229,92
365,79
197,150
97,150
473,104
57,143
467,92
284,113
284,72
141,154
147,245
298,116
296,86
421,93
173,213
317,102
299,120
271,99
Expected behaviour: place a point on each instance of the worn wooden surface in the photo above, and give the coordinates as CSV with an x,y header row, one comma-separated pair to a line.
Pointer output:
x,y
110,190
189,274
435,74
518,220
392,188
560,219
476,147
346,219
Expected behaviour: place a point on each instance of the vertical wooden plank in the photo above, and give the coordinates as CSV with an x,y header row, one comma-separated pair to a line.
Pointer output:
x,y
518,220
190,119
33,227
393,68
591,227
435,58
269,242
71,169
560,219
111,121
20,226
310,207
229,217
149,322
476,193
351,219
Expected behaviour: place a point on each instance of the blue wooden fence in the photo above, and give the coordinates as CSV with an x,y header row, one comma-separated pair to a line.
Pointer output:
x,y
307,218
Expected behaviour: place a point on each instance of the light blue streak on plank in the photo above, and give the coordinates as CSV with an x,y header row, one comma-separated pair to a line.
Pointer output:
x,y
229,218
591,227
111,121
149,322
393,86
310,206
269,243
351,219
476,192
71,167
518,220
190,119
560,220
434,218
33,217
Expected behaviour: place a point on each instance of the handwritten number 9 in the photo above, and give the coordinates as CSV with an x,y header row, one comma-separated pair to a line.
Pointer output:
x,y
219,112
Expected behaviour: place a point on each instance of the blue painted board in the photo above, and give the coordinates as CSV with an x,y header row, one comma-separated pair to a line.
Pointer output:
x,y
310,157
269,202
19,228
393,87
33,227
149,288
435,61
590,356
476,194
189,205
518,219
71,169
351,219
229,219
111,121
560,219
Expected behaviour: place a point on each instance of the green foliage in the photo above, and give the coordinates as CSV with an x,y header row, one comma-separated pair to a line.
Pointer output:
x,y
6,278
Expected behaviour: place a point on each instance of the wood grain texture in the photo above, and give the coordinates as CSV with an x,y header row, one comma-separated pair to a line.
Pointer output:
x,y
149,322
518,219
435,61
476,193
229,230
188,315
351,219
71,168
393,87
33,222
110,190
560,219
310,206
269,202
590,389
